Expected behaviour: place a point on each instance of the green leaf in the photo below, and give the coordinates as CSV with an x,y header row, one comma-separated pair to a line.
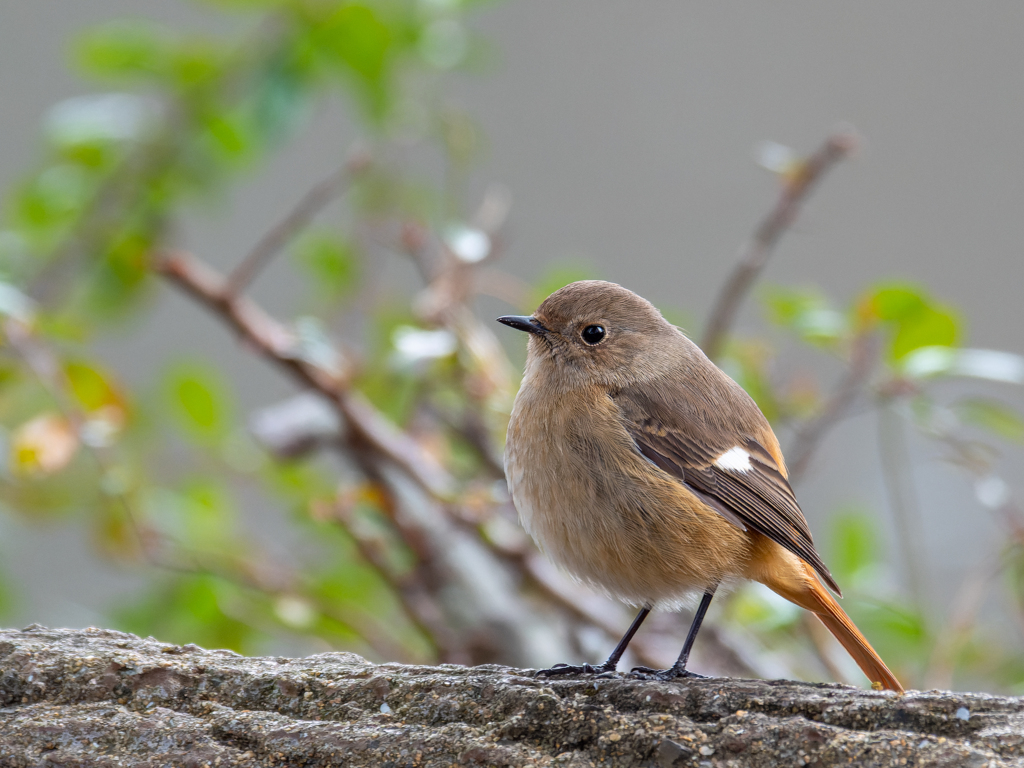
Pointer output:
x,y
208,514
199,401
928,327
229,136
11,374
899,625
91,387
330,261
131,51
53,199
807,313
121,274
897,302
991,415
393,393
360,39
124,50
758,607
352,583
195,61
299,482
915,320
356,37
785,305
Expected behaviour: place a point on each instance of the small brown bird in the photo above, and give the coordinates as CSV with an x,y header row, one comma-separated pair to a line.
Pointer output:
x,y
641,468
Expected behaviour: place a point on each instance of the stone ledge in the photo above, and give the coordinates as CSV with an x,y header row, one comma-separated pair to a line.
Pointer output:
x,y
102,698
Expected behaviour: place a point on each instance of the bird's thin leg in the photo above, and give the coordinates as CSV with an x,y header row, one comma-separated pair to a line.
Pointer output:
x,y
613,659
678,669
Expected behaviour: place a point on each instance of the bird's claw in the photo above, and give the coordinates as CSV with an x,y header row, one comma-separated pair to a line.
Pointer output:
x,y
664,675
575,669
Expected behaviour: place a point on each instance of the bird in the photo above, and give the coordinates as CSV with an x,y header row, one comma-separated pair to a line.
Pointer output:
x,y
643,470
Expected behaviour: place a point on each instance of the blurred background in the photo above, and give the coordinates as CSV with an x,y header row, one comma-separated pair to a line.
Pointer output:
x,y
251,391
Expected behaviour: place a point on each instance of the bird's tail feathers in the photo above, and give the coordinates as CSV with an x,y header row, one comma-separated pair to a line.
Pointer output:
x,y
811,595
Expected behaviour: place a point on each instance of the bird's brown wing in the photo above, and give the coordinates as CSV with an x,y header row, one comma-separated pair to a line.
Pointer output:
x,y
685,439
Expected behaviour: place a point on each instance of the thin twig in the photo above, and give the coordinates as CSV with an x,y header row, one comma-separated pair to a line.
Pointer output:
x,y
755,254
417,604
297,219
963,615
863,356
896,472
414,589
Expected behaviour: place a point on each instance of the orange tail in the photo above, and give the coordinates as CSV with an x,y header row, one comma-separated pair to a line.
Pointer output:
x,y
809,593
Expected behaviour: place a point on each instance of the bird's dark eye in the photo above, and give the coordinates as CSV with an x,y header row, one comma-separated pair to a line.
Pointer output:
x,y
593,334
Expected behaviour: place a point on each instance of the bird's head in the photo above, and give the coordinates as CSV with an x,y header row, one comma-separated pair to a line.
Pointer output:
x,y
597,333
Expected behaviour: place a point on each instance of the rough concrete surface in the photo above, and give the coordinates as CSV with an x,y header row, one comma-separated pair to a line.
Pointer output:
x,y
97,697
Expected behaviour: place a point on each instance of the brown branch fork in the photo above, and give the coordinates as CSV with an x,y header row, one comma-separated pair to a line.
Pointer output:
x,y
755,254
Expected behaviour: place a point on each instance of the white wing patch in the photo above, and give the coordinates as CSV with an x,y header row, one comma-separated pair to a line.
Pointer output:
x,y
734,460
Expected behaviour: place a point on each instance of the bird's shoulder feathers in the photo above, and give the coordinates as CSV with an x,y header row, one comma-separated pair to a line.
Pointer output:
x,y
706,432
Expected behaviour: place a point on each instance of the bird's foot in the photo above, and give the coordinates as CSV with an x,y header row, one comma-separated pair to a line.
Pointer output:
x,y
559,670
672,673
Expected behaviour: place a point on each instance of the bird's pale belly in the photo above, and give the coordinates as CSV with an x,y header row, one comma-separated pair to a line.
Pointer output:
x,y
626,528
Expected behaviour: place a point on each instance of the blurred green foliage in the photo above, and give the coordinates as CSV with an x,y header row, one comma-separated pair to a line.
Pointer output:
x,y
331,262
160,473
186,116
198,401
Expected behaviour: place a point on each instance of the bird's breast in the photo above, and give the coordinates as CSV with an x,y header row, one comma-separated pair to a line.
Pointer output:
x,y
548,464
600,510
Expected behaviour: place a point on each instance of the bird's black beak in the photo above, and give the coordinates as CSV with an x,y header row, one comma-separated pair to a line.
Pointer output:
x,y
523,323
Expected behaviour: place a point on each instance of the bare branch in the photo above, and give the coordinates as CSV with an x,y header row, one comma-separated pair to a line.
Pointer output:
x,y
899,485
315,200
809,435
755,254
366,427
960,624
418,604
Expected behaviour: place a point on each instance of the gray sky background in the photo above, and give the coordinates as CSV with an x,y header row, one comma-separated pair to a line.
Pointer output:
x,y
625,131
